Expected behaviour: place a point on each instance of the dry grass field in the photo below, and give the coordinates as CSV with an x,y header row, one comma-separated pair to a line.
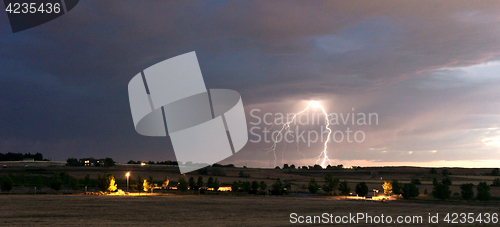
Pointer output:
x,y
21,208
199,210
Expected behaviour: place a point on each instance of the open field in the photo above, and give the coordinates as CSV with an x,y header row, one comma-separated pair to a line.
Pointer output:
x,y
200,210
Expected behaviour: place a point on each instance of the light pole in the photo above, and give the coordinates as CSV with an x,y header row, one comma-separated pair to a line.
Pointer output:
x,y
128,175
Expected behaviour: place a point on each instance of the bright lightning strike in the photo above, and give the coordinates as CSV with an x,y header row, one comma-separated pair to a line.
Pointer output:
x,y
285,129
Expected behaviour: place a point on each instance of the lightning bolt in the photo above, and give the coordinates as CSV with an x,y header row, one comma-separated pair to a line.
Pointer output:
x,y
285,129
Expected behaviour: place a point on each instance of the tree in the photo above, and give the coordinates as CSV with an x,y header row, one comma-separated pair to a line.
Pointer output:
x,y
410,191
255,185
166,181
200,183
108,162
263,185
483,191
362,189
277,187
38,182
75,185
192,183
210,182
446,181
277,167
139,186
313,186
235,186
72,162
495,172
434,171
102,182
245,186
387,186
216,184
7,184
396,187
445,172
56,183
441,191
112,183
467,191
344,188
330,184
182,185
285,166
317,167
292,166
147,186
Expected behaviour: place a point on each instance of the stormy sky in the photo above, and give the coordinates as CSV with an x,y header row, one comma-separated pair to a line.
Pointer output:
x,y
429,69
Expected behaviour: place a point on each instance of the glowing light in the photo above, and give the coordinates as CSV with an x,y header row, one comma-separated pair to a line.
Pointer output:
x,y
323,156
127,174
143,164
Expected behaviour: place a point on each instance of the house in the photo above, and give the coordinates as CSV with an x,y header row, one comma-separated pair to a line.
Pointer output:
x,y
91,162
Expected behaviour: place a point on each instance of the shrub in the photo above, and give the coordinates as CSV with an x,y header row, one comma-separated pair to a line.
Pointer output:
x,y
245,186
496,182
313,186
467,191
277,188
255,185
415,181
108,162
483,191
103,182
495,172
7,184
362,189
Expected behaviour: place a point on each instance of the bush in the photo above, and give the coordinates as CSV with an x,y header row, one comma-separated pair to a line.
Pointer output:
x,y
313,186
483,191
415,181
467,191
495,172
361,189
7,184
496,182
410,191
344,188
103,182
245,186
277,188
182,185
441,191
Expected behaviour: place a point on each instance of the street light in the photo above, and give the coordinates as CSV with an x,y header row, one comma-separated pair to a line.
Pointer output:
x,y
128,175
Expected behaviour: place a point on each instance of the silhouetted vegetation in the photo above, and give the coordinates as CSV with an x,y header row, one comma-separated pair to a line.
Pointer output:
x,y
361,189
20,157
344,188
483,191
467,191
410,191
313,186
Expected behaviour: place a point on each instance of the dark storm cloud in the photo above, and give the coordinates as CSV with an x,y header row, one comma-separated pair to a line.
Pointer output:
x,y
63,85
